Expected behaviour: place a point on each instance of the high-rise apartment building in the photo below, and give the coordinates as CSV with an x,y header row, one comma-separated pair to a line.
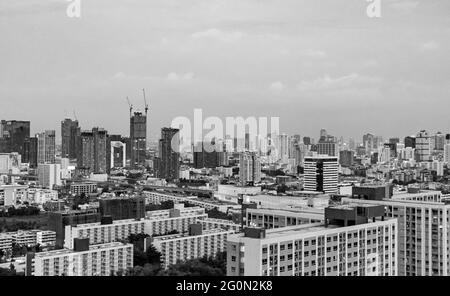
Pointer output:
x,y
423,240
138,138
353,241
169,155
70,132
321,174
249,168
46,152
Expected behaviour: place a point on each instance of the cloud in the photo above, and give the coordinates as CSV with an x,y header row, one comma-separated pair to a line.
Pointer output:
x,y
329,83
277,86
180,77
218,35
315,53
403,6
429,46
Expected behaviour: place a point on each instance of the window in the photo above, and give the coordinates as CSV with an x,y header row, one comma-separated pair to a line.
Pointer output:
x,y
233,258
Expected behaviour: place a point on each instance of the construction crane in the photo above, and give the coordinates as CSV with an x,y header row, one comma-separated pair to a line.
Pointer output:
x,y
131,106
145,101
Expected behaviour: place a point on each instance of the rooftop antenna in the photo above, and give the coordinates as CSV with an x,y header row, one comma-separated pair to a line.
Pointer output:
x,y
75,115
145,101
131,106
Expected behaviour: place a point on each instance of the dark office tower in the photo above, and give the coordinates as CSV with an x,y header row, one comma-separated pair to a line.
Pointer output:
x,y
247,141
123,208
59,220
169,167
394,140
46,152
410,142
346,158
100,141
138,136
31,148
70,131
204,157
92,151
307,140
392,148
13,135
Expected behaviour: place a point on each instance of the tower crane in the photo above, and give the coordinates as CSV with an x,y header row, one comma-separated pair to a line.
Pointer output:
x,y
130,105
145,101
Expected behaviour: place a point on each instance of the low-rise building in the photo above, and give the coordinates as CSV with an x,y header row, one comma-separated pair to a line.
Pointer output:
x,y
195,244
82,260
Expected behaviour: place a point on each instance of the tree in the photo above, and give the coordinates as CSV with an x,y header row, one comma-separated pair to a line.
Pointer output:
x,y
212,266
216,214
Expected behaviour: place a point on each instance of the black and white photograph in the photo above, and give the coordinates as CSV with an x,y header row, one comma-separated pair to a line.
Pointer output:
x,y
219,146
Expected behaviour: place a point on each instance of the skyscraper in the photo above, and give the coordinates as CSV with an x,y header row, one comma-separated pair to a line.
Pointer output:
x,y
410,141
92,151
46,147
321,174
205,158
327,146
138,138
169,163
13,135
423,148
249,168
70,131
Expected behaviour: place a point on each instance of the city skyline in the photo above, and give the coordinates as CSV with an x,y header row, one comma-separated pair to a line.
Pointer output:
x,y
331,67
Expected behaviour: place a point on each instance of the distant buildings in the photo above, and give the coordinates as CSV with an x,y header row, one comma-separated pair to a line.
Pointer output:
x,y
46,152
206,155
346,158
249,168
327,146
353,241
70,133
10,163
321,174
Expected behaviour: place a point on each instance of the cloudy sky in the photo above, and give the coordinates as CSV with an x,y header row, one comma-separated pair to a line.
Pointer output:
x,y
314,63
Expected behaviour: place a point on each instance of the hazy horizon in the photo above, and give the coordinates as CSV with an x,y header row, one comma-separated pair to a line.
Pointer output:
x,y
315,64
